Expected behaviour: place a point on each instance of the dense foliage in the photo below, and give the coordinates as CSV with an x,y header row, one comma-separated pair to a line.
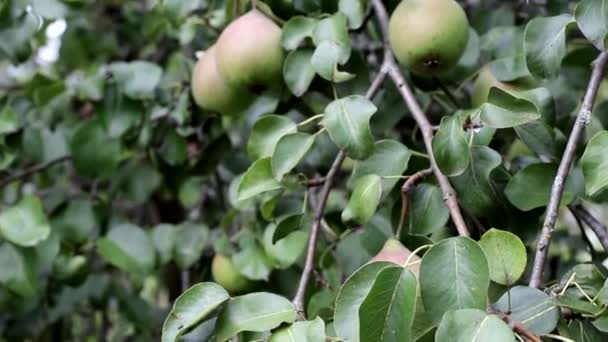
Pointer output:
x,y
352,170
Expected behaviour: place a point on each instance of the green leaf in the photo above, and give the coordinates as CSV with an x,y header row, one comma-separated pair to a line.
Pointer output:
x,y
129,248
387,313
531,307
592,20
325,61
427,211
18,270
594,163
50,9
601,324
390,158
303,331
467,325
257,180
504,110
174,149
8,121
191,308
164,237
266,133
298,71
88,158
25,224
257,312
288,249
289,151
531,187
351,296
579,305
190,241
334,29
454,275
347,122
506,256
545,44
77,222
137,79
539,137
252,262
354,10
474,187
364,200
295,30
581,330
290,224
450,147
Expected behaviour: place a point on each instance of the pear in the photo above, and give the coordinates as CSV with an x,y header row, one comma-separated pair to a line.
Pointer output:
x,y
210,90
226,275
395,252
249,52
428,36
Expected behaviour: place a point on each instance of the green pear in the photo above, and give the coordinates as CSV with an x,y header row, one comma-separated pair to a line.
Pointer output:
x,y
428,36
226,275
210,90
395,252
249,52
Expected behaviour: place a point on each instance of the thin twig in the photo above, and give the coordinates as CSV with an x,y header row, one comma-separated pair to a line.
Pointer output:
x,y
518,328
32,170
557,189
408,185
596,226
425,127
298,300
581,226
447,92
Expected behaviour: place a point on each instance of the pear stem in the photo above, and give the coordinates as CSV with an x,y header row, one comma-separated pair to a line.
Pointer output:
x,y
415,252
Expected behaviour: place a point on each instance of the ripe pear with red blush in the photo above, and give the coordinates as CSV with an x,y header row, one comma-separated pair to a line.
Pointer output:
x,y
250,54
395,252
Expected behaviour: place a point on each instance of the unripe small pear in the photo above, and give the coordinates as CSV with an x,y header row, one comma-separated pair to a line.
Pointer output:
x,y
428,36
226,275
210,90
249,52
394,251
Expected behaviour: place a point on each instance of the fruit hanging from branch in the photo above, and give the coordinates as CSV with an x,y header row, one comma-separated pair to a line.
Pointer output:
x,y
428,36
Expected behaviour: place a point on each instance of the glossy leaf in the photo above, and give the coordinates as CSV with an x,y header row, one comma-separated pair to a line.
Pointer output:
x,y
467,325
454,275
302,331
18,270
257,180
191,308
88,158
129,248
257,312
530,307
295,30
351,296
325,61
347,122
450,148
595,163
531,187
289,151
364,200
387,313
592,20
506,255
252,262
427,211
190,240
137,79
25,224
545,44
354,10
504,110
266,133
298,71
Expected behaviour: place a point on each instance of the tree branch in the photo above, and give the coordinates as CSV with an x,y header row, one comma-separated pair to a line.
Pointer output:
x,y
518,328
425,127
30,171
298,300
408,185
557,189
596,226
